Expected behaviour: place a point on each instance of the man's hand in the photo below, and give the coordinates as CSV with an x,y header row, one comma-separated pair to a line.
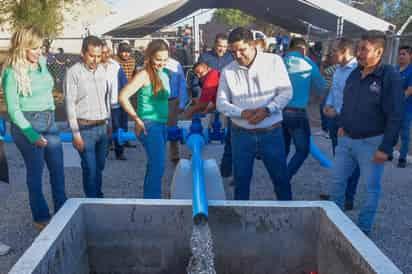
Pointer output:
x,y
42,142
329,111
247,114
139,127
78,143
259,116
341,132
380,157
188,114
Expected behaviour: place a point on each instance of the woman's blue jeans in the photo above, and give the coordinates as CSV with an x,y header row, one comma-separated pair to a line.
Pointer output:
x,y
34,158
154,144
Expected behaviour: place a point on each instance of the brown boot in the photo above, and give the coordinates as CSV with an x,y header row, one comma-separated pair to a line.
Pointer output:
x,y
40,225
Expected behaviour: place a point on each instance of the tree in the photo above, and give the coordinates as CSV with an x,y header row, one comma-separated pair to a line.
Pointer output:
x,y
233,18
47,15
394,11
237,18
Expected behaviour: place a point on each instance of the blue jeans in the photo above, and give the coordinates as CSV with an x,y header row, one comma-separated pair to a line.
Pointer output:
x,y
349,153
93,159
405,135
296,128
353,180
34,158
119,120
154,144
270,146
227,163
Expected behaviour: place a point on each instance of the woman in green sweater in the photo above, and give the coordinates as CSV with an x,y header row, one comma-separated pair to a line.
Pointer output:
x,y
152,87
27,86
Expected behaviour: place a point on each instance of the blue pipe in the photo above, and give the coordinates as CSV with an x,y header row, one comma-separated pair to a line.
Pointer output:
x,y
174,134
318,155
196,142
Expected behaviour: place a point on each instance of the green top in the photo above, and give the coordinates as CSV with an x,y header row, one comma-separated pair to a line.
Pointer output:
x,y
41,98
154,107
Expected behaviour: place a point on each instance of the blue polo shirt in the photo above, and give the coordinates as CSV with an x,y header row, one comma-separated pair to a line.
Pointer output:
x,y
304,75
373,106
406,76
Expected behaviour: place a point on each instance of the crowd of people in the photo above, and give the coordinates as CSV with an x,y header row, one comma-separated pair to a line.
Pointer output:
x,y
264,97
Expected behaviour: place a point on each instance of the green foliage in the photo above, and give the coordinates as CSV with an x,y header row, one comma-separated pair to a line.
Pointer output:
x,y
47,15
233,18
237,18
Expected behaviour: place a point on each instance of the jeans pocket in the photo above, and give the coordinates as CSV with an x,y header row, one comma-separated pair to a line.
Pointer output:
x,y
40,121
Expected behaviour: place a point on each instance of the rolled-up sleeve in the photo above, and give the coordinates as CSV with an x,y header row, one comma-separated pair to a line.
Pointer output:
x,y
223,102
284,90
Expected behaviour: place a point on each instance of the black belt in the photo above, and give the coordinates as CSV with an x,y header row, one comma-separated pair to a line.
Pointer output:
x,y
361,136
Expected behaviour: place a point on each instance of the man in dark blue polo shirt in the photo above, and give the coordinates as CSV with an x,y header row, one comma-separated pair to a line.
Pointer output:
x,y
369,125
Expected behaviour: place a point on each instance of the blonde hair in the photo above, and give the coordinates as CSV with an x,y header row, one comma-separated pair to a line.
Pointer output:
x,y
22,40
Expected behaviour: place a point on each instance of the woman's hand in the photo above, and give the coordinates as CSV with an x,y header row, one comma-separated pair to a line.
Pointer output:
x,y
42,142
139,127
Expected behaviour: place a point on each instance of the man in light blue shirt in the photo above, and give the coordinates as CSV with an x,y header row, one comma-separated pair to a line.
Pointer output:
x,y
343,55
177,100
305,76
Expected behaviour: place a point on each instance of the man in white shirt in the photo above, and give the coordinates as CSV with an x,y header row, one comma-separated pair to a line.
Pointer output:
x,y
253,90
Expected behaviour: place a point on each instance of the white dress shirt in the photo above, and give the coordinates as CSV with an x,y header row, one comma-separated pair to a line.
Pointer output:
x,y
265,83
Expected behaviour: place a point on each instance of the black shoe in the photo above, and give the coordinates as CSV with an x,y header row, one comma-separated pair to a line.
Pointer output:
x,y
324,197
348,206
129,144
402,163
121,157
225,172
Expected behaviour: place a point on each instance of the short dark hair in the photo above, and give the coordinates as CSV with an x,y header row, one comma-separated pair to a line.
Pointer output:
x,y
375,37
240,34
220,36
91,41
298,42
346,44
407,48
199,64
124,47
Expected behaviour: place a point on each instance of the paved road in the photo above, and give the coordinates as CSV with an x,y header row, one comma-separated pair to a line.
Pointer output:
x,y
392,232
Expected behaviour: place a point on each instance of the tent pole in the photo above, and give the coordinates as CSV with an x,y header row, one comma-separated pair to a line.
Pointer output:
x,y
339,27
196,37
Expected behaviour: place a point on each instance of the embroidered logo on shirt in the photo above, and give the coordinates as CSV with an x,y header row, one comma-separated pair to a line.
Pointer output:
x,y
375,88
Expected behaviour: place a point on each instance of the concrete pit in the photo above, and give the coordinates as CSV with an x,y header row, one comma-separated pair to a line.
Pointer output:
x,y
133,236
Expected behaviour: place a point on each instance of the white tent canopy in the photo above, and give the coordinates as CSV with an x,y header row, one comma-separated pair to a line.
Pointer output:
x,y
294,15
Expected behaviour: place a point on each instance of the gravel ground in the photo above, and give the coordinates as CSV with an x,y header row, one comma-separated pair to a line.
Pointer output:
x,y
392,232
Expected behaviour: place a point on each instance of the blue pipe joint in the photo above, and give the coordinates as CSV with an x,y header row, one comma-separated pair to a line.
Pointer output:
x,y
175,133
122,137
3,128
318,155
195,142
216,133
